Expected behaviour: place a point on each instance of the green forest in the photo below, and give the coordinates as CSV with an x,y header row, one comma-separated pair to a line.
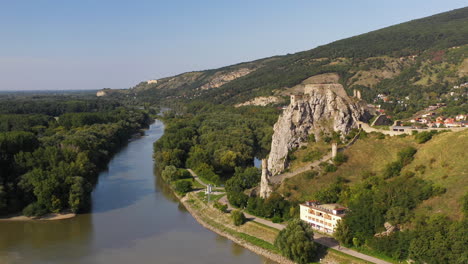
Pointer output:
x,y
52,150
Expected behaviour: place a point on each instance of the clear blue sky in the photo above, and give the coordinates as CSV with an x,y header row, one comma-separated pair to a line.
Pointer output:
x,y
92,44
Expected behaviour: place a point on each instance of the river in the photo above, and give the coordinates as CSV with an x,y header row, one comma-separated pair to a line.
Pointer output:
x,y
134,219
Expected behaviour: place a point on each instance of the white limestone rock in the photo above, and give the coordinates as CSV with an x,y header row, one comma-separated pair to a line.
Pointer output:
x,y
321,108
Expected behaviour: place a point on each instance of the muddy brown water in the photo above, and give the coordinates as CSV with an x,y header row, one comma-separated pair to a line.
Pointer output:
x,y
134,219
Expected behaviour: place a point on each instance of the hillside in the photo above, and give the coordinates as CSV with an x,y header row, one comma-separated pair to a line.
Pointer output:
x,y
416,63
441,160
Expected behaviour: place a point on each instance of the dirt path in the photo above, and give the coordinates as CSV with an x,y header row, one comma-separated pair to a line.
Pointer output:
x,y
281,177
195,176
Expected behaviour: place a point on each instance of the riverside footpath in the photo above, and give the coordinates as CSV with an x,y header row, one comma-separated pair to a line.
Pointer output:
x,y
318,238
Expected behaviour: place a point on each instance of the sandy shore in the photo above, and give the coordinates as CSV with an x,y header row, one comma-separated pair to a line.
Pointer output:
x,y
256,249
47,217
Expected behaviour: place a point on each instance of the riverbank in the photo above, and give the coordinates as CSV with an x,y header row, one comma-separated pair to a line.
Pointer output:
x,y
193,208
47,217
254,236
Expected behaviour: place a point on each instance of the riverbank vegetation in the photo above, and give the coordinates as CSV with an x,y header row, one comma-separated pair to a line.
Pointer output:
x,y
51,151
255,236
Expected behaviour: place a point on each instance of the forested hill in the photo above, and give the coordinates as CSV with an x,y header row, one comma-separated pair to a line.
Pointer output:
x,y
421,59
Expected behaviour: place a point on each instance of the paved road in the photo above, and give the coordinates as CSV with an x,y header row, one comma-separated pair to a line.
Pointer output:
x,y
319,238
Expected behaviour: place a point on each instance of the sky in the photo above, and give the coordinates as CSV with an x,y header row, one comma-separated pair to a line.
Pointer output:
x,y
94,44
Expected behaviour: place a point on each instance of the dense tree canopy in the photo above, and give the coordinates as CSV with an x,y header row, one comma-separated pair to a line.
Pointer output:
x,y
49,164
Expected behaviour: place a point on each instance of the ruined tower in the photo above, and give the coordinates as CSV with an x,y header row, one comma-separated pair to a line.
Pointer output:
x,y
334,149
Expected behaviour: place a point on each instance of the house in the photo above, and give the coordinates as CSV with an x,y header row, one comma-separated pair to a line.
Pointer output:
x,y
439,123
460,117
322,217
400,128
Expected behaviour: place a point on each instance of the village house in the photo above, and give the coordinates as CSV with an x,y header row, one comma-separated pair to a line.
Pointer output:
x,y
460,117
322,217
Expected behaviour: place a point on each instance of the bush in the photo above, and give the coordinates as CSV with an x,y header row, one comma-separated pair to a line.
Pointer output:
x,y
183,187
277,219
380,135
405,156
340,158
392,169
311,156
327,167
309,175
423,137
35,209
222,207
238,217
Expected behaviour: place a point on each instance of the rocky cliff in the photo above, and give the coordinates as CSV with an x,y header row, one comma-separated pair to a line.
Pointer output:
x,y
318,110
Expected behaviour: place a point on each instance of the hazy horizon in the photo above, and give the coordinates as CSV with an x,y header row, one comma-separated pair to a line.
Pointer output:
x,y
84,45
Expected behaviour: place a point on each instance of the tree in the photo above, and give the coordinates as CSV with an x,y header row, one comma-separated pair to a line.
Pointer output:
x,y
296,242
238,217
169,173
343,234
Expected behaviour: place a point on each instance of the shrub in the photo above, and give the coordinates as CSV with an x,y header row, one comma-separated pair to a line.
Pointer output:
x,y
406,155
327,167
34,209
311,138
340,158
423,137
277,219
392,169
309,175
221,207
311,156
238,217
183,187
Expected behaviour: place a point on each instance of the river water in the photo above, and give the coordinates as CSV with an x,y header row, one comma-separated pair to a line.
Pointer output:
x,y
134,219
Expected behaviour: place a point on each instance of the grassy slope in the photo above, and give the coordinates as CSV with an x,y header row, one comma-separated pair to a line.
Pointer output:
x,y
447,169
366,155
448,152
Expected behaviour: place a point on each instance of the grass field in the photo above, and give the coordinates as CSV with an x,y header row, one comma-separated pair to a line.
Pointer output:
x,y
444,161
369,155
309,153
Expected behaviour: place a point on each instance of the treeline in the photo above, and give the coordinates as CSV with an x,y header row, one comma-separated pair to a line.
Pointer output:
x,y
50,165
55,106
219,143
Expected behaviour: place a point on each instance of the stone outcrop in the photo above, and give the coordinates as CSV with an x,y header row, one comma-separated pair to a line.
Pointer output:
x,y
389,229
224,77
260,101
265,185
320,108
